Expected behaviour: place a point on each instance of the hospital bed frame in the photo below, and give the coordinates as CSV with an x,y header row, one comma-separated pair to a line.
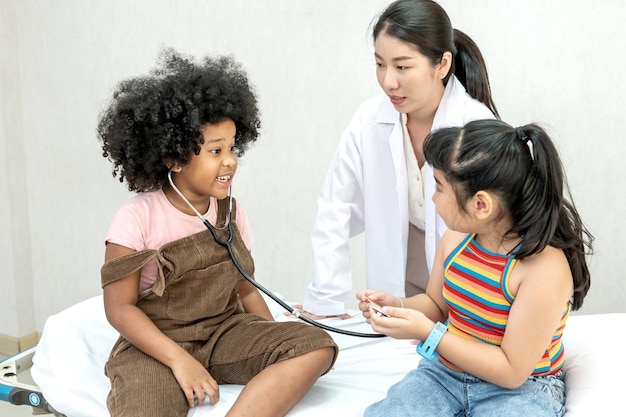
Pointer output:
x,y
19,392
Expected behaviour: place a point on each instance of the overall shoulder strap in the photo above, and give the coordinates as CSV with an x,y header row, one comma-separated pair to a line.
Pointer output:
x,y
118,268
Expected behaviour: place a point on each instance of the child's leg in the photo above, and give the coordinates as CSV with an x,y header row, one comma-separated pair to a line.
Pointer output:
x,y
280,386
538,396
141,386
431,390
278,362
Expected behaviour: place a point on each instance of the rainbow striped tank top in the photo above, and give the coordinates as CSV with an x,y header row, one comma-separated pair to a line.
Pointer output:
x,y
477,293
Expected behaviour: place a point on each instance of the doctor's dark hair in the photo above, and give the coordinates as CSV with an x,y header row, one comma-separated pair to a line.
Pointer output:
x,y
153,122
522,168
426,25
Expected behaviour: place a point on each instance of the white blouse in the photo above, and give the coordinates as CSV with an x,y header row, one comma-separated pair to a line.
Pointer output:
x,y
415,181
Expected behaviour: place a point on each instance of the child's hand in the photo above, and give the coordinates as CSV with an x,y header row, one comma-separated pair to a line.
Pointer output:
x,y
195,380
403,323
381,298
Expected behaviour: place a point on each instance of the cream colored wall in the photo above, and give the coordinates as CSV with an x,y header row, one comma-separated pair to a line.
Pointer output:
x,y
555,62
17,309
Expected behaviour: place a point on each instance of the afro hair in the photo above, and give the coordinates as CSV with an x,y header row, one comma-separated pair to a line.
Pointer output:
x,y
154,121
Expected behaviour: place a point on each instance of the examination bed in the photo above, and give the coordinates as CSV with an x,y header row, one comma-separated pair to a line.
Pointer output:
x,y
67,368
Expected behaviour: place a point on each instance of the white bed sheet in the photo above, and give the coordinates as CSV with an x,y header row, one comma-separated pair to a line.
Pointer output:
x,y
75,344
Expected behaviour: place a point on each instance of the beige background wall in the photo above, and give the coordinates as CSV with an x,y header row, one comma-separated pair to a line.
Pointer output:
x,y
554,62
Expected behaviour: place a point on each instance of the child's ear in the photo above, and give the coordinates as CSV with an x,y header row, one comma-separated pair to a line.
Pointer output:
x,y
483,204
173,167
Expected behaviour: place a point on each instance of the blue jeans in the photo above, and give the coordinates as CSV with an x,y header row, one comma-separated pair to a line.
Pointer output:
x,y
435,390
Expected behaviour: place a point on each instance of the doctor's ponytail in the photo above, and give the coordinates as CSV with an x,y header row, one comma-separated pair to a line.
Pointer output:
x,y
470,69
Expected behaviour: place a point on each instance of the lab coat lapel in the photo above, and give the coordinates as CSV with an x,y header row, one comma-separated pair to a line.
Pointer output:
x,y
451,110
393,200
389,115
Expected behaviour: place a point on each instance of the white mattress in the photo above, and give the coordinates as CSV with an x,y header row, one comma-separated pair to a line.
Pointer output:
x,y
69,361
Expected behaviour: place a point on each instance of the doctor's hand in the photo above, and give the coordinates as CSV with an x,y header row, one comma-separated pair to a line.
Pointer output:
x,y
195,380
312,316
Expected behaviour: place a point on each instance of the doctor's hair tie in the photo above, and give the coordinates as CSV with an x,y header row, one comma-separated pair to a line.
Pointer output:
x,y
519,131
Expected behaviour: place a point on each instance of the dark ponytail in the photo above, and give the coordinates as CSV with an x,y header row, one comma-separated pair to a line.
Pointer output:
x,y
426,25
546,212
522,168
470,69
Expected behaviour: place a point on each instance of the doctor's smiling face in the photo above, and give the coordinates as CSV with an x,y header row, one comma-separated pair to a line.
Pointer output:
x,y
412,82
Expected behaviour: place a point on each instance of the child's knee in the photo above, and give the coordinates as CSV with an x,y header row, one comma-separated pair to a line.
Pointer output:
x,y
329,356
322,359
323,349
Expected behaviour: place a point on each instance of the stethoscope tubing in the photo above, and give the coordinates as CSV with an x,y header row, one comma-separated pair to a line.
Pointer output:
x,y
227,244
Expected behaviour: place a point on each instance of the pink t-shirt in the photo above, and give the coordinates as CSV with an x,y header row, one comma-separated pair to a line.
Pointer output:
x,y
149,220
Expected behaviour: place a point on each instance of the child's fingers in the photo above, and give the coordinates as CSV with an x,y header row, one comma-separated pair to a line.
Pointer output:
x,y
208,391
192,399
213,392
362,295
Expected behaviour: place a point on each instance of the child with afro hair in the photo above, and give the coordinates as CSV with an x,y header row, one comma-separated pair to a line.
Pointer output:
x,y
187,318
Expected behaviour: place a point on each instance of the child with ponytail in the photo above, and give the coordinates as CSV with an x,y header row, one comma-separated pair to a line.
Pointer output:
x,y
507,273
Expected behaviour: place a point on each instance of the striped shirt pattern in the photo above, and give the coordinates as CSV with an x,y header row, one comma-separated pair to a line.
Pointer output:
x,y
477,293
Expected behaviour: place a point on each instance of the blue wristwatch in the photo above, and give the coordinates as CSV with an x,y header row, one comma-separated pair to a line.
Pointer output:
x,y
427,347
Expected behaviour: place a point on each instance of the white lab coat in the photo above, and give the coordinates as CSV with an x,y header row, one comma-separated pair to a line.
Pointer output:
x,y
366,190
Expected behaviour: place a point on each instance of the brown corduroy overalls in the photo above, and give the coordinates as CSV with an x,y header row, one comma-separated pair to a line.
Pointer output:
x,y
195,302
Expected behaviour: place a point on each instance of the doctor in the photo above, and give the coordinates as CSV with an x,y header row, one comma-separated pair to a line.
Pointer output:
x,y
378,181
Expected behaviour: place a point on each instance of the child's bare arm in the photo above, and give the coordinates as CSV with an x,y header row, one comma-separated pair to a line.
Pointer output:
x,y
432,304
253,302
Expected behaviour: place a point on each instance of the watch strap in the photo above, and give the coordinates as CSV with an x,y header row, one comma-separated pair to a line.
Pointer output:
x,y
427,348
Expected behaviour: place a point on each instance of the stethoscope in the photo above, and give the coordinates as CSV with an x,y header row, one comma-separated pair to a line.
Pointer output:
x,y
227,244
